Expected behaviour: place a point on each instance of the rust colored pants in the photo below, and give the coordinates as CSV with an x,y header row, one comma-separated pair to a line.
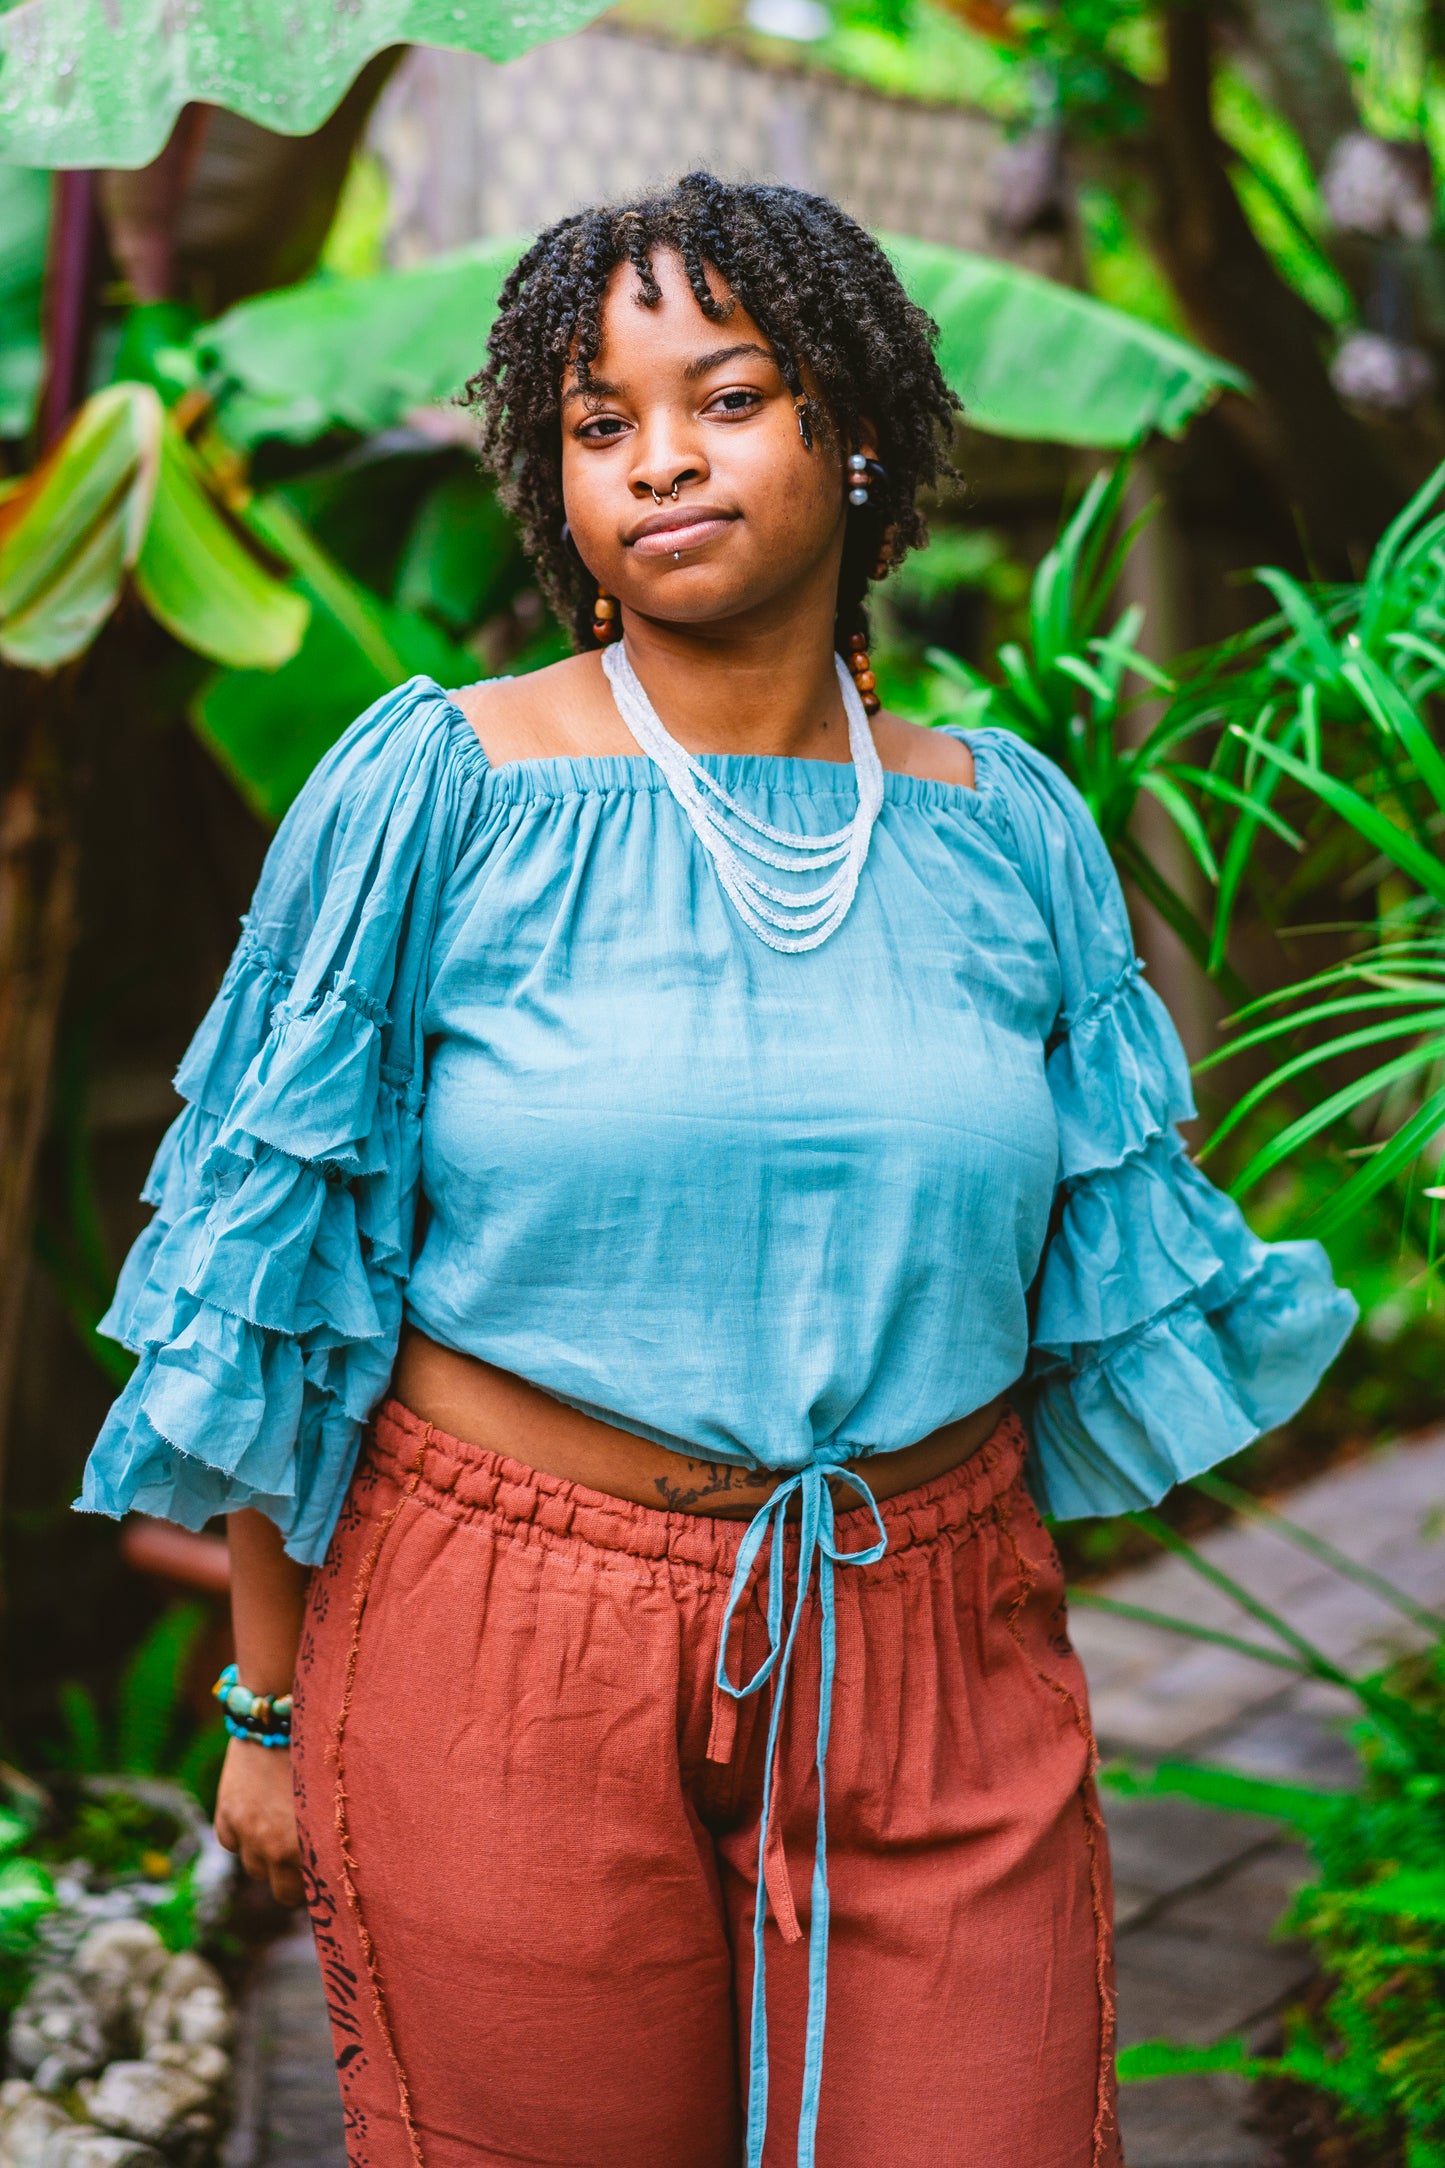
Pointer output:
x,y
533,1891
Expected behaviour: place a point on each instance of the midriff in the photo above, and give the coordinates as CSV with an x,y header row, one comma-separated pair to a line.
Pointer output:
x,y
501,1413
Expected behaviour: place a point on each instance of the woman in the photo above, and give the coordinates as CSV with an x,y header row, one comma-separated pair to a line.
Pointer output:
x,y
669,1114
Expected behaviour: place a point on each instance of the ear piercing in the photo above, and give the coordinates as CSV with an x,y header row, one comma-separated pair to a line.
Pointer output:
x,y
857,479
604,618
858,662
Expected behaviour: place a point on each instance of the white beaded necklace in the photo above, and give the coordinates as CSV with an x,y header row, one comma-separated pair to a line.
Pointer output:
x,y
787,919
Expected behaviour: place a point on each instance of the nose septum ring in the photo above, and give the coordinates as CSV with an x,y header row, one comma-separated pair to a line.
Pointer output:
x,y
671,493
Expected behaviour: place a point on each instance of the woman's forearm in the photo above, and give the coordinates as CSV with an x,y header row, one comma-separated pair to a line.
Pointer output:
x,y
255,1814
268,1597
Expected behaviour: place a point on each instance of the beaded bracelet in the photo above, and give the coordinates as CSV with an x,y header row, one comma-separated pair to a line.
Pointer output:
x,y
264,1719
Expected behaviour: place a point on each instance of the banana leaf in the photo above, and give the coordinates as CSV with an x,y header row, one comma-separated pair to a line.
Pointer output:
x,y
24,223
71,533
1027,356
86,83
268,728
358,353
123,494
200,581
1031,358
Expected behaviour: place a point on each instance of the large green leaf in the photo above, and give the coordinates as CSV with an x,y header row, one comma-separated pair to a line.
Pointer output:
x,y
122,493
69,536
359,352
462,557
24,223
268,728
87,83
202,583
1031,358
1028,357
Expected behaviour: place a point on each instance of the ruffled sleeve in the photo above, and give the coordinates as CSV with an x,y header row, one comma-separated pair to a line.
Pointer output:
x,y
264,1298
1165,1334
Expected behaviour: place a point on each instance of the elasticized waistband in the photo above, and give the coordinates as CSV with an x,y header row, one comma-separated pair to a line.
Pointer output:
x,y
468,1482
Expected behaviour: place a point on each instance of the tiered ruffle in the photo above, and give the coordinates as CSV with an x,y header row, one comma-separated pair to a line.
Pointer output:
x,y
1166,1334
264,1299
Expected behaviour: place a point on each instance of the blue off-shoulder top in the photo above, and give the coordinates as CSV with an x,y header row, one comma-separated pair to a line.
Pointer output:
x,y
496,1053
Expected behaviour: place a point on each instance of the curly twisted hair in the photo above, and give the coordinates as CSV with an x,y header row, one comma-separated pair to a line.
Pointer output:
x,y
825,296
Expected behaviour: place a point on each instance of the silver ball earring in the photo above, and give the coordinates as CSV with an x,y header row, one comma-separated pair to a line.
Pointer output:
x,y
858,476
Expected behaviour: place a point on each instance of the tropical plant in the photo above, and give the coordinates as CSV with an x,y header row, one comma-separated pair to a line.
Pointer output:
x,y
1375,1911
123,498
1337,697
148,1732
1271,166
74,95
1074,685
27,1894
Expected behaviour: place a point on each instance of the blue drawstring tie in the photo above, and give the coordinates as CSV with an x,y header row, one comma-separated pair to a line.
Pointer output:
x,y
815,1544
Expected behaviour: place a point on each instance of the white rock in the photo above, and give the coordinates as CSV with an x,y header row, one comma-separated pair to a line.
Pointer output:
x,y
208,2064
28,2122
118,1964
56,2033
82,2146
166,2108
188,2003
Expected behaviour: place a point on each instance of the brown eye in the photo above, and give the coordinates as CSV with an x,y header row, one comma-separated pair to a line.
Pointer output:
x,y
736,402
602,428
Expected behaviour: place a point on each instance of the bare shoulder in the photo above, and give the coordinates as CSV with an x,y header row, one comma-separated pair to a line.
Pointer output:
x,y
563,711
908,749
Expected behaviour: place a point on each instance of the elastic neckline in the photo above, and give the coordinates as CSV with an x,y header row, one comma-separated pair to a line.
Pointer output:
x,y
571,775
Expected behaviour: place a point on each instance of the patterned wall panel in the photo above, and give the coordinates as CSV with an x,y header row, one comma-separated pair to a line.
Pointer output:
x,y
473,148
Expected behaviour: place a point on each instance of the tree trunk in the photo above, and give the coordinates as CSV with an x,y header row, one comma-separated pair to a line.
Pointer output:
x,y
1239,306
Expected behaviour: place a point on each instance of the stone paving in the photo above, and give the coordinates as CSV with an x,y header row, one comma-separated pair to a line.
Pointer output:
x,y
288,2111
1198,1892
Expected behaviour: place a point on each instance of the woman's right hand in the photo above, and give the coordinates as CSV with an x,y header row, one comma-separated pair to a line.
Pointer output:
x,y
256,1817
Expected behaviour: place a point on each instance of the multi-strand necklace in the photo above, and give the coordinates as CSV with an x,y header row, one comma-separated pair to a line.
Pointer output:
x,y
787,919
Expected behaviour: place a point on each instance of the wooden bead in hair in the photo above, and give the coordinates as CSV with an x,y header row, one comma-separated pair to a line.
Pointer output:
x,y
861,666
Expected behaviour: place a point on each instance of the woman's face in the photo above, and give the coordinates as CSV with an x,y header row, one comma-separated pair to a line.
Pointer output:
x,y
696,411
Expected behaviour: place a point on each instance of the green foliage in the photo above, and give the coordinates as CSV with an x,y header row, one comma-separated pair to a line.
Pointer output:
x,y
268,728
1375,1910
1120,268
174,1918
27,1891
1171,2059
148,1733
1274,183
461,559
74,95
1031,358
200,581
1338,697
1072,688
123,495
1028,357
24,224
153,348
354,353
74,530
